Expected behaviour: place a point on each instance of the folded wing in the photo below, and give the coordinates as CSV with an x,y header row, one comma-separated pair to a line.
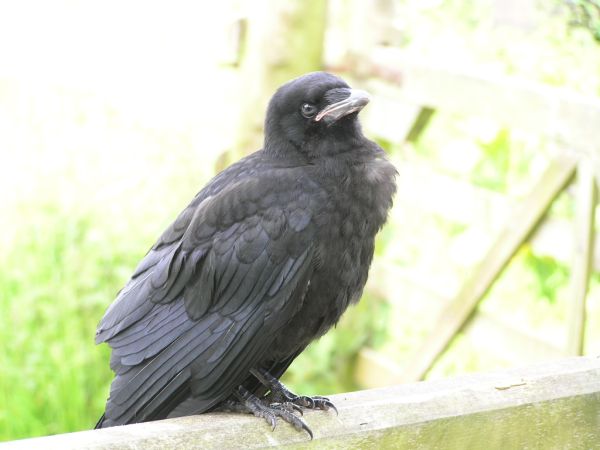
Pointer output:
x,y
204,304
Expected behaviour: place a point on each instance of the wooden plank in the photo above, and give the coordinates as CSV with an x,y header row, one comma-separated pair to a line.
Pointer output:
x,y
486,334
420,123
570,118
583,255
555,238
388,118
375,370
517,229
422,188
551,405
272,54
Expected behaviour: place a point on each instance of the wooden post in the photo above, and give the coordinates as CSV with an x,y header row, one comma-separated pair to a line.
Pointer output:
x,y
518,228
582,256
284,39
421,121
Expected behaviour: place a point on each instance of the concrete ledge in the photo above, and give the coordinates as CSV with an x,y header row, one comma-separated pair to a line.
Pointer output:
x,y
555,405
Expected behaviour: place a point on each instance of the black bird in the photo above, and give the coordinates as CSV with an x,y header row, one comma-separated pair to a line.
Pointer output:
x,y
265,259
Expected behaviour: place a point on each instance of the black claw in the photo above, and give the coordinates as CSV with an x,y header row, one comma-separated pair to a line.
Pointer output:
x,y
295,408
325,404
292,419
269,411
282,399
329,405
299,424
308,430
307,402
287,406
273,421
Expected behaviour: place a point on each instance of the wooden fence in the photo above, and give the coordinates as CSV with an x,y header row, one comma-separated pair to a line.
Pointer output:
x,y
569,119
554,405
416,90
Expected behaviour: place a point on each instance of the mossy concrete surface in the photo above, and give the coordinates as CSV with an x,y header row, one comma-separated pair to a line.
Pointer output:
x,y
555,405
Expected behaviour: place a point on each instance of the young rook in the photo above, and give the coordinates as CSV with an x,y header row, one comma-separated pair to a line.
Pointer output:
x,y
264,260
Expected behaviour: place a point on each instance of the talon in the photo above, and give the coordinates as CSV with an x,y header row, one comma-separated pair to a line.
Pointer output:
x,y
296,408
287,406
337,413
291,418
271,411
298,424
290,402
308,430
307,402
273,420
329,405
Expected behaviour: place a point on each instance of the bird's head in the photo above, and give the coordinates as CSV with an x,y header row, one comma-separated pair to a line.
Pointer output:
x,y
316,107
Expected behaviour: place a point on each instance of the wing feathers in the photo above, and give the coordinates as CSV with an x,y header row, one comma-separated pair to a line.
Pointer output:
x,y
198,312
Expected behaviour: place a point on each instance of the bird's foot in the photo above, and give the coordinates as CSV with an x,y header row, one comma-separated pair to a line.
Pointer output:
x,y
268,411
282,395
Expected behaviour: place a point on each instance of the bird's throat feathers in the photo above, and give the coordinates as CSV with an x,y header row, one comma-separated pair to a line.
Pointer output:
x,y
325,141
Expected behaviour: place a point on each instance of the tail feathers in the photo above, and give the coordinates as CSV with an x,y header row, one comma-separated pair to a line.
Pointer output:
x,y
100,423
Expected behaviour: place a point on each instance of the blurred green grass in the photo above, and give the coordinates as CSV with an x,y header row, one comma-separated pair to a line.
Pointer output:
x,y
56,279
53,292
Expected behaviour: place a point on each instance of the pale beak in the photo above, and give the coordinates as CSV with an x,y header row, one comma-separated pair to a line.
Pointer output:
x,y
355,101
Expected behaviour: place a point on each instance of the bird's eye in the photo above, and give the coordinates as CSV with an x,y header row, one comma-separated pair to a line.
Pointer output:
x,y
308,110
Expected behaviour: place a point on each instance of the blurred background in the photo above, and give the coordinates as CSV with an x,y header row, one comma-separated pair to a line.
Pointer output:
x,y
114,114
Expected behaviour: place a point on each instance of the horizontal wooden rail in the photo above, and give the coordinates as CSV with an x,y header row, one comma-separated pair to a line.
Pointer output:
x,y
555,405
570,118
522,222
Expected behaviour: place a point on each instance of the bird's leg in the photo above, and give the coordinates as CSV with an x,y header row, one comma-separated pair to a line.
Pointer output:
x,y
280,393
248,402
